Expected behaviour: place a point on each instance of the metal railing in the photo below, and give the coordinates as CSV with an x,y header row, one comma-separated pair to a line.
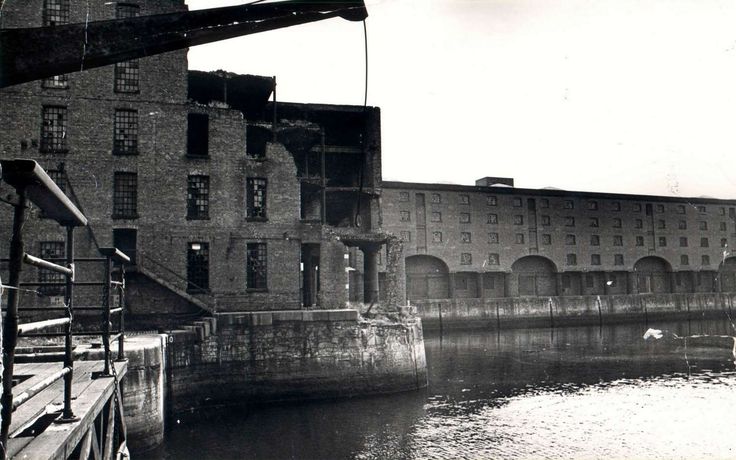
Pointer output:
x,y
33,184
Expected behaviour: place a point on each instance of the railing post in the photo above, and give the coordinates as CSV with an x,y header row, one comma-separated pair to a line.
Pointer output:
x,y
121,305
10,326
107,290
67,415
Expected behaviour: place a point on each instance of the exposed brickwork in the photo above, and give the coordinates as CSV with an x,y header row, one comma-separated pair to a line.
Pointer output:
x,y
162,167
497,226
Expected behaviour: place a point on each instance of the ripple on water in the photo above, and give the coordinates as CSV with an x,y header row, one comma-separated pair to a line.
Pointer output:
x,y
666,417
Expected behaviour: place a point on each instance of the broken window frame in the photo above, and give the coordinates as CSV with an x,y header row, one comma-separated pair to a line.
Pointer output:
x,y
198,267
56,82
125,132
198,197
256,198
51,250
256,278
54,120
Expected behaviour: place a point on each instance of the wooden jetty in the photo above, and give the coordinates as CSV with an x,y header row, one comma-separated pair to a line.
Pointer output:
x,y
53,406
34,434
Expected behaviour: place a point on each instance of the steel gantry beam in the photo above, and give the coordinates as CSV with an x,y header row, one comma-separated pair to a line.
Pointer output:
x,y
28,54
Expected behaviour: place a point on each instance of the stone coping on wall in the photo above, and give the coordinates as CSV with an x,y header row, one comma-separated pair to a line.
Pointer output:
x,y
265,318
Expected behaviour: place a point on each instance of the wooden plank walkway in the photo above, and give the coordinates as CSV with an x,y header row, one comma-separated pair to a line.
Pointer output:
x,y
58,440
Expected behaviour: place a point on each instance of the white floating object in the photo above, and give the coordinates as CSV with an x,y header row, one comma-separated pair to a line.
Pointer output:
x,y
656,333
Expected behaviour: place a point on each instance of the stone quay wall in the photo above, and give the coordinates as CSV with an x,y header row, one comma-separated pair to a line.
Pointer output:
x,y
571,310
261,357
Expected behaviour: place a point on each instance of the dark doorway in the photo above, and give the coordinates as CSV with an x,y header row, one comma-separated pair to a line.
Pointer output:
x,y
310,274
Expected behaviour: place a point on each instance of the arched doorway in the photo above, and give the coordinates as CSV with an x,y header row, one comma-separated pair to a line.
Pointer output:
x,y
652,275
535,276
727,273
427,277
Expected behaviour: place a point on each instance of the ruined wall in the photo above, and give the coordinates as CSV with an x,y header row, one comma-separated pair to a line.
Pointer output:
x,y
272,356
333,277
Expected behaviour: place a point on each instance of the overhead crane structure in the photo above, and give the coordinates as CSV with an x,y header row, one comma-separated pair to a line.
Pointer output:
x,y
28,54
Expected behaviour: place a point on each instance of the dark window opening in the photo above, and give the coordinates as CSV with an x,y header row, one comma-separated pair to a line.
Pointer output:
x,y
59,178
126,10
198,197
198,267
126,239
257,139
256,266
125,196
125,138
256,198
198,135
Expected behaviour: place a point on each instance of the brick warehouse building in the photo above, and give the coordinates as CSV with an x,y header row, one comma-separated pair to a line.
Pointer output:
x,y
183,171
492,240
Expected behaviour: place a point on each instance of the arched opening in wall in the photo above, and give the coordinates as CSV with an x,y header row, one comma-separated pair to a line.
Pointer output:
x,y
535,275
652,275
427,277
727,273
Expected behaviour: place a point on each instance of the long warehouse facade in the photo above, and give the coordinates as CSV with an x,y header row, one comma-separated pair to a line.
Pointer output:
x,y
494,240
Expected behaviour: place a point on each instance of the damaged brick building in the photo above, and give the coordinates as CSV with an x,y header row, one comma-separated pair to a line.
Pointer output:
x,y
226,199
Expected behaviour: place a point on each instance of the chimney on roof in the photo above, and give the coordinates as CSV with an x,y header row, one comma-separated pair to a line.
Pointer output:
x,y
491,181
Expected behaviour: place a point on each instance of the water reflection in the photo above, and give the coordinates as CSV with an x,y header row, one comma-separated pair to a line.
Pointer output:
x,y
568,393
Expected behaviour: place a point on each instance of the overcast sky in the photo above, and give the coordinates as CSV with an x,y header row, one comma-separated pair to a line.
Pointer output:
x,y
630,96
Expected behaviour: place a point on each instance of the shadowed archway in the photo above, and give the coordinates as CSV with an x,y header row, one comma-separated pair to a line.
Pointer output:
x,y
653,275
535,276
427,277
727,274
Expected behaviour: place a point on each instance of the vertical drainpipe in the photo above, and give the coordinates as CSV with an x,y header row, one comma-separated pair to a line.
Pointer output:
x,y
323,212
275,112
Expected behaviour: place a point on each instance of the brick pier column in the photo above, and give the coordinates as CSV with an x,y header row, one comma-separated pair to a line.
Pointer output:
x,y
395,273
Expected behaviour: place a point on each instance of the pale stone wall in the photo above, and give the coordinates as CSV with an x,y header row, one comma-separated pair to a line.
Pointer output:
x,y
572,310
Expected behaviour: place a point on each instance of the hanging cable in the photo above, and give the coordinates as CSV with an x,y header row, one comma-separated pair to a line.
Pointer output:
x,y
365,45
365,110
